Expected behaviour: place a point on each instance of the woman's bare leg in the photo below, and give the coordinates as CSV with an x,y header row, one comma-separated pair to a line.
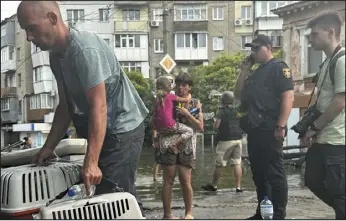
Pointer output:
x,y
185,182
168,180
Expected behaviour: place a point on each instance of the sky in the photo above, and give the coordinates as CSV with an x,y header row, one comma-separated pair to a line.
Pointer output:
x,y
8,8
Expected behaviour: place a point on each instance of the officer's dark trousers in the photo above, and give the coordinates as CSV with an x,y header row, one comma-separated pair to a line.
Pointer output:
x,y
266,160
119,160
325,175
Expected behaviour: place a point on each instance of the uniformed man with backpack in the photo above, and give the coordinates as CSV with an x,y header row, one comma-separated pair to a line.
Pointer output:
x,y
325,136
266,96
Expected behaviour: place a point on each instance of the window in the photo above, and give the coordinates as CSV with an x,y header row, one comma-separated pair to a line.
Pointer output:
x,y
267,6
244,40
218,44
157,14
158,45
3,30
314,60
73,16
131,14
38,74
11,52
18,54
190,12
4,56
10,81
218,13
131,66
246,12
19,80
106,40
41,101
20,107
127,41
188,40
104,14
277,41
5,104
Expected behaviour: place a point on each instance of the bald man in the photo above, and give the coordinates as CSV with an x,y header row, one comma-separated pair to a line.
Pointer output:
x,y
94,93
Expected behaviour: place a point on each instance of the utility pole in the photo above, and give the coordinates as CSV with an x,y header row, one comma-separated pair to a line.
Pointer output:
x,y
164,27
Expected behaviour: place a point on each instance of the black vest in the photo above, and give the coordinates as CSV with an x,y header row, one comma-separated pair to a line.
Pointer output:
x,y
229,128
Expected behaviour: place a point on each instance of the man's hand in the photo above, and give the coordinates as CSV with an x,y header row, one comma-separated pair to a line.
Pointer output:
x,y
183,111
43,156
280,134
307,139
92,174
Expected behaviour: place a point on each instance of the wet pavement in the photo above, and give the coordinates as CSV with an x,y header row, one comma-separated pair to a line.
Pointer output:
x,y
225,203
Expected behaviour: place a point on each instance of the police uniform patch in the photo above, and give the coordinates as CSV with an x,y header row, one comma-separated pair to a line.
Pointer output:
x,y
286,72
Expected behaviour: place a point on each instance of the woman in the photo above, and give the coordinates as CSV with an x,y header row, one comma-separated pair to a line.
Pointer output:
x,y
27,144
184,161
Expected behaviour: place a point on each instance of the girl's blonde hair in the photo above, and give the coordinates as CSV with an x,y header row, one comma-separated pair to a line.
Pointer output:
x,y
163,87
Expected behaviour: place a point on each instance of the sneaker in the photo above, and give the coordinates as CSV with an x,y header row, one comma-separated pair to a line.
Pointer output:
x,y
209,187
255,217
238,190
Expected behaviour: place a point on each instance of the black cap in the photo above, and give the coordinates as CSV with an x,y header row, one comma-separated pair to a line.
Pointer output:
x,y
259,41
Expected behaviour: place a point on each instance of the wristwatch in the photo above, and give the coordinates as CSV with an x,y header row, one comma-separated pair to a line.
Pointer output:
x,y
314,127
280,127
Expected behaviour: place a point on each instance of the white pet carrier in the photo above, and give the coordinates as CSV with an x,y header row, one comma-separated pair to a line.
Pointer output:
x,y
65,148
118,205
25,189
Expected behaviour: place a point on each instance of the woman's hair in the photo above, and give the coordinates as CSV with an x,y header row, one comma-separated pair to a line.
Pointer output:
x,y
163,87
183,78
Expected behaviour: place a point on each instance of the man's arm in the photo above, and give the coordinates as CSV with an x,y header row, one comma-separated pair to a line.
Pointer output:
x,y
93,69
332,111
245,70
61,119
96,97
286,105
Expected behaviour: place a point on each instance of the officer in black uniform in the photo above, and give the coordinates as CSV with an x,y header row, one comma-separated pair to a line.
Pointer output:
x,y
266,96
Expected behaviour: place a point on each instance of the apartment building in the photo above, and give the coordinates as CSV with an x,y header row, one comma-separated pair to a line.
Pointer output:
x,y
196,32
268,23
9,98
243,23
131,35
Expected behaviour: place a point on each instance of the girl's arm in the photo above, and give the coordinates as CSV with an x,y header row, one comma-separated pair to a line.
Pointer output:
x,y
183,99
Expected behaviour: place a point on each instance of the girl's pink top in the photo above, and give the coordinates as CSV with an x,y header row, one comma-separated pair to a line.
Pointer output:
x,y
163,117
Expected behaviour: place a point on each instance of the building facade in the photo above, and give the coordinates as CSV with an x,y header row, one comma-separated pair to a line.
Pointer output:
x,y
244,23
268,23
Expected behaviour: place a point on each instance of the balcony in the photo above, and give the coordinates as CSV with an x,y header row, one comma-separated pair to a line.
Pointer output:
x,y
8,66
268,23
133,26
191,54
132,54
132,3
9,92
40,58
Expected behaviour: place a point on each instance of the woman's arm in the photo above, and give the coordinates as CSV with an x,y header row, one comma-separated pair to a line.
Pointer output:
x,y
197,123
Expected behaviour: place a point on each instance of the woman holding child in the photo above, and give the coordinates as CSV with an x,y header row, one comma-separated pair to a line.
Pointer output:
x,y
177,151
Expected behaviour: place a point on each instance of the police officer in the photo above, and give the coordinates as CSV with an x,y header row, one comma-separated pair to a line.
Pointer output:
x,y
266,96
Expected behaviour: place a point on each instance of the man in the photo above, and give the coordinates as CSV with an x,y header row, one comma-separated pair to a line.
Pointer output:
x,y
229,147
27,144
94,92
266,96
325,159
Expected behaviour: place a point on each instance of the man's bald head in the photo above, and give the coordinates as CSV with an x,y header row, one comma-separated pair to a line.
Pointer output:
x,y
38,7
42,22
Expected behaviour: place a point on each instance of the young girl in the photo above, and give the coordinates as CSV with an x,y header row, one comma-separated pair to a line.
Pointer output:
x,y
163,120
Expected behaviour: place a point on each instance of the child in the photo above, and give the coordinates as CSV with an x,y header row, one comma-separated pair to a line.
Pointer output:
x,y
163,121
